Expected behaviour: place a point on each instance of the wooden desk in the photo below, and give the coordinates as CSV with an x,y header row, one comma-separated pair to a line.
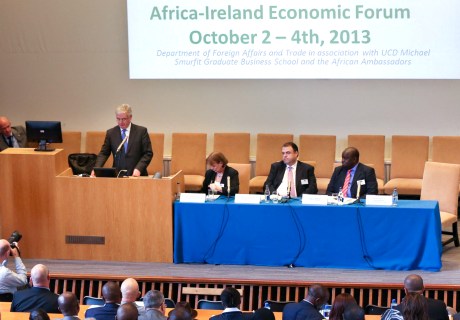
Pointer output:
x,y
202,314
133,216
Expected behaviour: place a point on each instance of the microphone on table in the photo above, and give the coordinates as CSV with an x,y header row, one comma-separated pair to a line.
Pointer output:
x,y
359,190
289,190
228,186
121,144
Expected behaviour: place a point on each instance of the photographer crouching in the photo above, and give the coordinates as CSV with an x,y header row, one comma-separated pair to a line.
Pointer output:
x,y
10,280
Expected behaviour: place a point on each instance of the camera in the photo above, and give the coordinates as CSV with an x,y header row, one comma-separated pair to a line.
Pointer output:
x,y
15,237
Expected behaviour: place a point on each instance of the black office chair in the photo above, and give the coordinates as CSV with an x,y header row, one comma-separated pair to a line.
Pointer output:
x,y
374,310
277,306
170,303
87,300
210,305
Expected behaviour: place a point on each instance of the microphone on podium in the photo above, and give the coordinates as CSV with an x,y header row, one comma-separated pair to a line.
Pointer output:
x,y
121,144
228,186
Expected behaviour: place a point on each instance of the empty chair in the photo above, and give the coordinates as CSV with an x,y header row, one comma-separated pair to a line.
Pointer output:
x,y
235,146
408,157
446,149
371,151
244,173
87,300
188,153
321,149
156,165
209,305
277,306
268,151
440,182
371,309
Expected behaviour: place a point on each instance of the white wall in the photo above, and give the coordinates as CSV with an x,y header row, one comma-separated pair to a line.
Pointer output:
x,y
68,61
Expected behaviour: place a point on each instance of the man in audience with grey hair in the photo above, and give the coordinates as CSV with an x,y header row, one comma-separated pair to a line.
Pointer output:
x,y
155,307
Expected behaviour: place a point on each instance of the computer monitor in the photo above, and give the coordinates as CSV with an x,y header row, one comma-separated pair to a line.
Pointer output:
x,y
44,132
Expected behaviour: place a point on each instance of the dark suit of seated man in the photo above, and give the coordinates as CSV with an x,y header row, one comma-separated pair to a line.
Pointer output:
x,y
231,300
291,175
37,297
111,294
359,173
307,309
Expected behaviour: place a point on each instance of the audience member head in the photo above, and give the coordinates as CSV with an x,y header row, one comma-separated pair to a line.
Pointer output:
x,y
4,249
350,157
39,314
185,305
124,115
217,161
290,153
111,292
353,312
180,313
413,283
414,307
230,298
154,299
68,304
127,311
39,276
317,295
341,302
129,290
5,126
264,314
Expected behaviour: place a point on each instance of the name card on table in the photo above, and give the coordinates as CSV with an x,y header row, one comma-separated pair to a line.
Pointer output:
x,y
373,200
318,199
192,197
247,198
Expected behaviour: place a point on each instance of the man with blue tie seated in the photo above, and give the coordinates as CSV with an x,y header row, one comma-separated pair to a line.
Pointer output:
x,y
128,143
308,308
231,300
290,177
350,174
12,137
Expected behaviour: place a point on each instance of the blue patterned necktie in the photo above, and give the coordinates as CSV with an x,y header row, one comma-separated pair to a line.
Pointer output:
x,y
123,136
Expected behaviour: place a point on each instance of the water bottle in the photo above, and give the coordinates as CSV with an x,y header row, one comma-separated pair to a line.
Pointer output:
x,y
267,194
340,197
394,200
393,304
267,305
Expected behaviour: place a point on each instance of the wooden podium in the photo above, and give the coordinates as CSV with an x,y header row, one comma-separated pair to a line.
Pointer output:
x,y
66,217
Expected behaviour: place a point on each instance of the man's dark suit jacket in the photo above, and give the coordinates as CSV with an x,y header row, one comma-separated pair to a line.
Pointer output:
x,y
362,172
33,299
302,310
138,155
106,312
210,176
437,309
19,133
303,171
234,315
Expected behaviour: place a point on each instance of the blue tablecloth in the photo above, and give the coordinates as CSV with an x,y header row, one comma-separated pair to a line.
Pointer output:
x,y
406,237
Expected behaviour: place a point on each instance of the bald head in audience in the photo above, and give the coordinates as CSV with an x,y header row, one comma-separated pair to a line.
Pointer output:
x,y
129,290
413,283
40,276
127,311
68,304
111,292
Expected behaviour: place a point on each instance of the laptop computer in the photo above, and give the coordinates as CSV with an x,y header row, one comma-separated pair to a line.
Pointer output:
x,y
105,172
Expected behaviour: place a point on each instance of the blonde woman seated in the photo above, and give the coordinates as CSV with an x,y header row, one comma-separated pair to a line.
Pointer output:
x,y
220,176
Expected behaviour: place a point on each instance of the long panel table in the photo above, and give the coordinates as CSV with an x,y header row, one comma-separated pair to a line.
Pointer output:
x,y
405,237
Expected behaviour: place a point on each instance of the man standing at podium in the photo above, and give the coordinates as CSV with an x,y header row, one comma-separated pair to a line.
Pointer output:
x,y
129,143
12,137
